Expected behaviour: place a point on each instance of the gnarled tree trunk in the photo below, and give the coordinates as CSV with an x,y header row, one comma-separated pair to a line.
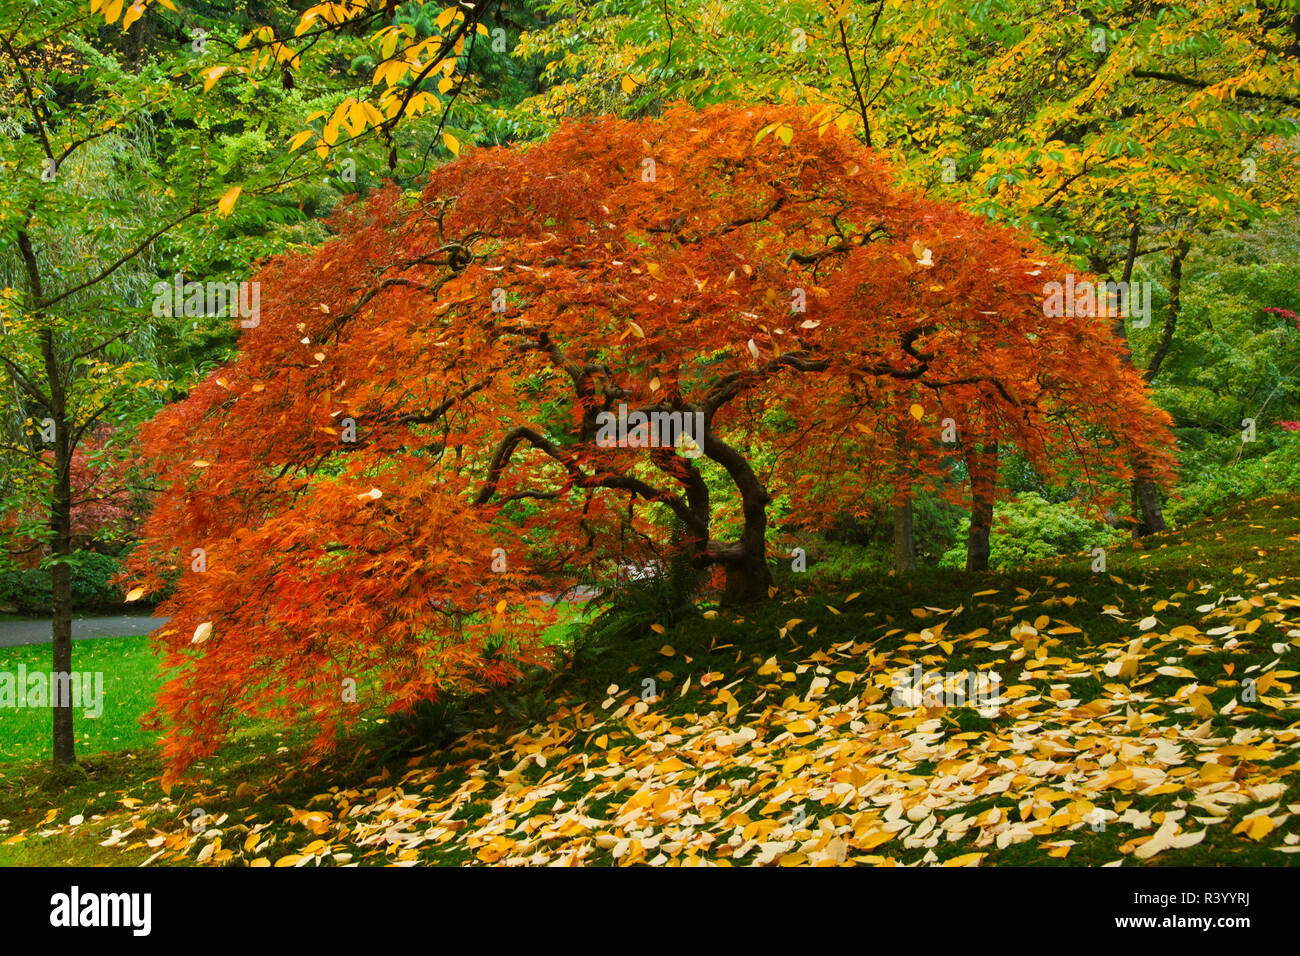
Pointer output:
x,y
748,580
748,577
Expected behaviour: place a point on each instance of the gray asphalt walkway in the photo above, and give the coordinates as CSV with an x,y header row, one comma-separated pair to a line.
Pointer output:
x,y
15,632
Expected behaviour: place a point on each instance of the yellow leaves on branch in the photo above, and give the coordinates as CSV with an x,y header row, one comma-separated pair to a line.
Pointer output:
x,y
133,13
783,131
226,205
389,37
390,72
112,9
352,115
111,12
334,14
210,77
447,17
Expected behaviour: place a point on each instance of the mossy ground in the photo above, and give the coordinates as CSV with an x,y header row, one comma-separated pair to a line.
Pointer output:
x,y
576,767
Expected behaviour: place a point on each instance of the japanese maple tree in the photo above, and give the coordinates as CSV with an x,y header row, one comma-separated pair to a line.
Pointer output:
x,y
411,446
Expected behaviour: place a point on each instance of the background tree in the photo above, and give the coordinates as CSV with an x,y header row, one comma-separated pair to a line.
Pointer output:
x,y
117,174
1115,132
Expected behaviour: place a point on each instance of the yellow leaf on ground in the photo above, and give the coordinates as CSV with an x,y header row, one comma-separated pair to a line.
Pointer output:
x,y
1256,827
872,840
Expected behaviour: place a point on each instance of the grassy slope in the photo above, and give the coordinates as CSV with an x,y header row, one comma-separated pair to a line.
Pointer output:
x,y
773,738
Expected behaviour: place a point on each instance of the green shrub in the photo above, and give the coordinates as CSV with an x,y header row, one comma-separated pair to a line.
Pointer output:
x,y
662,593
1028,528
1211,482
29,591
831,563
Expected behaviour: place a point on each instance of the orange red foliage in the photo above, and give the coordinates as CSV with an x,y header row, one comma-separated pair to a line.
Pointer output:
x,y
405,452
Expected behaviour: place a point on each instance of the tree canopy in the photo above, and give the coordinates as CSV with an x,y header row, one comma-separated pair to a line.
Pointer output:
x,y
408,448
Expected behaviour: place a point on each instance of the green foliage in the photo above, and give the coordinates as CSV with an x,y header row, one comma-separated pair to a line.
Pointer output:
x,y
1029,528
864,545
1229,356
662,593
1211,481
28,589
430,723
1030,113
832,562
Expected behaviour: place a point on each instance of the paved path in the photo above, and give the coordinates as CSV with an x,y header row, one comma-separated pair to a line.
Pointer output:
x,y
36,630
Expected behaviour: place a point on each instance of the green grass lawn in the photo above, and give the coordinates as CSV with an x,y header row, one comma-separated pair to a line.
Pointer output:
x,y
1208,606
130,675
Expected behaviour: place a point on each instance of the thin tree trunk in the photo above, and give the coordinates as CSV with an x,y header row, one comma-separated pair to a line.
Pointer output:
x,y
61,583
64,740
904,539
1144,493
1146,504
983,482
1172,314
